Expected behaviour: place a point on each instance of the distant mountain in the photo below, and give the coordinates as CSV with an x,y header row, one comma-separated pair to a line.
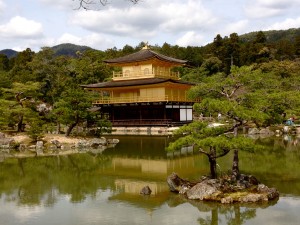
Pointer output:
x,y
9,53
273,35
62,49
69,49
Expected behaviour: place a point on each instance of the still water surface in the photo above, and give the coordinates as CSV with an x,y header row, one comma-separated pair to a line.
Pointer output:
x,y
84,189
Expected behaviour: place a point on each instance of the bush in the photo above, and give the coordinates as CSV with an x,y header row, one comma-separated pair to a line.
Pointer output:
x,y
35,131
103,126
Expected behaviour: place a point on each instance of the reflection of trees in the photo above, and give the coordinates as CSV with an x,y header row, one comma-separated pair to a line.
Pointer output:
x,y
277,163
213,220
233,214
41,180
286,142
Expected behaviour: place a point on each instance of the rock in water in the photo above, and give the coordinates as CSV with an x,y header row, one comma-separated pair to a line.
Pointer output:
x,y
56,143
177,184
174,182
207,189
39,147
146,191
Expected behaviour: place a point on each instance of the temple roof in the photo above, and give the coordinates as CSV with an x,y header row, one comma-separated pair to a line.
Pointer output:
x,y
143,55
126,83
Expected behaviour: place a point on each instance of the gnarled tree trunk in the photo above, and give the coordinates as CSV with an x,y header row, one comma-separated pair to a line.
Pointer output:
x,y
20,124
70,128
213,163
235,165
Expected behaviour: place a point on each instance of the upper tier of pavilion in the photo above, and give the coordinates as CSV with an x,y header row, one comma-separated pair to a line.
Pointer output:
x,y
145,64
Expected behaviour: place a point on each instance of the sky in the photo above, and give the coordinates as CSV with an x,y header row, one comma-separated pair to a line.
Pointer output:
x,y
39,23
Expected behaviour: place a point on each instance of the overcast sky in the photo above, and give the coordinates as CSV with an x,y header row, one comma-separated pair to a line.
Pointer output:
x,y
38,23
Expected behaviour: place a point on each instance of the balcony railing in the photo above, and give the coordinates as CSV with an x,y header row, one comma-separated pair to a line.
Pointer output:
x,y
141,99
145,74
143,122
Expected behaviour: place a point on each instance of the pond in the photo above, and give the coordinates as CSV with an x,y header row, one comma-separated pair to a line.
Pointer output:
x,y
86,188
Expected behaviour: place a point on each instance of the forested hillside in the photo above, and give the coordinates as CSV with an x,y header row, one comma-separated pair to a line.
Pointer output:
x,y
273,36
69,49
39,90
9,53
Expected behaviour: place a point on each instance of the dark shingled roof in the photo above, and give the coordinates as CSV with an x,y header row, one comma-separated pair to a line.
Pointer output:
x,y
126,83
143,55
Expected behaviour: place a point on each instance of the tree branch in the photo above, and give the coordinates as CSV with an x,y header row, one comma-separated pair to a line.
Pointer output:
x,y
225,152
229,95
17,96
204,152
20,100
85,4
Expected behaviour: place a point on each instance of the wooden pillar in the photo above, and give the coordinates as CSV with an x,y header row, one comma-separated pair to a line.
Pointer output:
x,y
112,113
140,111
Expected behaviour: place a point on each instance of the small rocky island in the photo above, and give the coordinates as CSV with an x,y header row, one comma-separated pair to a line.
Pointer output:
x,y
245,189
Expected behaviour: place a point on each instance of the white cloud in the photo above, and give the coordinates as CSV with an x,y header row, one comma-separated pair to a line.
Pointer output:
x,y
61,4
146,21
269,8
19,27
93,40
182,22
276,3
185,16
2,6
259,12
238,27
21,214
190,38
286,24
69,38
131,22
91,4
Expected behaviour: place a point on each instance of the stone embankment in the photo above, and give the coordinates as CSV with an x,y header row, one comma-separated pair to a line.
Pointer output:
x,y
247,189
274,130
148,131
21,145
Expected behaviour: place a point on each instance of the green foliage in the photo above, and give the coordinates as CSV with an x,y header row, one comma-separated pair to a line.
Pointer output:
x,y
188,135
21,71
232,110
254,94
5,81
214,142
4,62
89,68
200,135
227,142
4,114
19,104
195,75
73,107
35,131
212,65
103,126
